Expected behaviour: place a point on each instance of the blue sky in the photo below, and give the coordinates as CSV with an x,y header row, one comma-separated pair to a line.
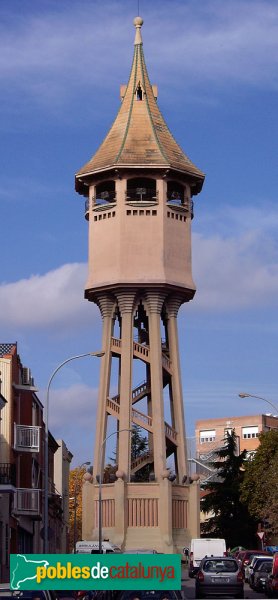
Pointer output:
x,y
215,64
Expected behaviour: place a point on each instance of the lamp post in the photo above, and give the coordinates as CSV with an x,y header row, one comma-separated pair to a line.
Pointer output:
x,y
46,504
75,503
246,395
100,489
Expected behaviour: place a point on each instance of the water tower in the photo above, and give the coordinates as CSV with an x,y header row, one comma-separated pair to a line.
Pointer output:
x,y
139,187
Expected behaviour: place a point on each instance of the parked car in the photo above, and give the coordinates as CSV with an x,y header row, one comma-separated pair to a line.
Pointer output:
x,y
246,556
271,584
249,568
256,562
260,574
220,576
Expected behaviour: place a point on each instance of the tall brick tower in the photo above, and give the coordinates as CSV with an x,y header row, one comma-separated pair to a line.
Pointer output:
x,y
139,187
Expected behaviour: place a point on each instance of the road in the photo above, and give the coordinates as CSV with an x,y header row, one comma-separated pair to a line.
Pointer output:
x,y
188,588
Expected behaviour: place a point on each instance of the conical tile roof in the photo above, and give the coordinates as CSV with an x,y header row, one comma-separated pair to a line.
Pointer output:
x,y
139,135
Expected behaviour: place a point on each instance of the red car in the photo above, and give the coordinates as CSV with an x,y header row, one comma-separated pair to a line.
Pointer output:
x,y
244,557
271,588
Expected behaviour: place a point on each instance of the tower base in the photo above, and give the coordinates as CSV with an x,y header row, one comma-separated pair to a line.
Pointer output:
x,y
143,516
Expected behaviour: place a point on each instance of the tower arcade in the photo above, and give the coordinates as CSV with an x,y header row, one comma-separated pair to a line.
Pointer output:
x,y
138,188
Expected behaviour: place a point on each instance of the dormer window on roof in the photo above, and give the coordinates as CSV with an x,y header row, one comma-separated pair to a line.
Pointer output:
x,y
139,92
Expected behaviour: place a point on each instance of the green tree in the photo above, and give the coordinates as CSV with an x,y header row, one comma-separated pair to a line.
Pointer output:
x,y
227,516
139,443
259,490
139,446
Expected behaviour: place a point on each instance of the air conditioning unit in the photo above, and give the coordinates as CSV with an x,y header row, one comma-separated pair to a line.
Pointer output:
x,y
26,376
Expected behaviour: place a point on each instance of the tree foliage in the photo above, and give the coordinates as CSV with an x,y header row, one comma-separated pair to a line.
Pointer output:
x,y
227,515
139,443
139,446
259,490
75,496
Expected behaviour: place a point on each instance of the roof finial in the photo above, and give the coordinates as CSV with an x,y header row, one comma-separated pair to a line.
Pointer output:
x,y
138,22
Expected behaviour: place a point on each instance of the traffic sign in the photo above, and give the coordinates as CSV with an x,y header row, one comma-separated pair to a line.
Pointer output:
x,y
260,534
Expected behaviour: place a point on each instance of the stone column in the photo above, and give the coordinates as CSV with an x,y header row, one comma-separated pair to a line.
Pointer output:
x,y
172,307
106,304
194,510
126,302
165,512
155,302
88,510
121,516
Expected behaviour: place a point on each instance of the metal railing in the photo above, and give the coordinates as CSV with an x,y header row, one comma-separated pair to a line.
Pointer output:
x,y
27,501
106,197
87,208
187,204
141,194
27,437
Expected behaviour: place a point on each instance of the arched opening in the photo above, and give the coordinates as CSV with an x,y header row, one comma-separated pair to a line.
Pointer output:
x,y
141,189
105,193
175,193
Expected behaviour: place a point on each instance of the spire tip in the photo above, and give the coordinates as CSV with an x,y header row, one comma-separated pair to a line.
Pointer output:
x,y
138,22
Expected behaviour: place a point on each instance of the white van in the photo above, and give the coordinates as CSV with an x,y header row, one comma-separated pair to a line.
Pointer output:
x,y
89,547
201,547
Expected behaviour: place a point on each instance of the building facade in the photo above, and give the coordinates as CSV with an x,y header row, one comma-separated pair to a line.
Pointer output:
x,y
139,187
22,435
62,460
210,434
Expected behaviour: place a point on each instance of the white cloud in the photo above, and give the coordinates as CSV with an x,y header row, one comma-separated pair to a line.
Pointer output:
x,y
235,272
72,417
232,271
51,300
73,405
223,42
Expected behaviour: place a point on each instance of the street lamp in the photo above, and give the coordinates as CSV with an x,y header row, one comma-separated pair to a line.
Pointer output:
x,y
99,479
46,528
75,503
246,395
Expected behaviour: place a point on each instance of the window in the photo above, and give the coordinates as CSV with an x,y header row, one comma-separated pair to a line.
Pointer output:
x,y
175,193
105,193
250,432
207,436
141,189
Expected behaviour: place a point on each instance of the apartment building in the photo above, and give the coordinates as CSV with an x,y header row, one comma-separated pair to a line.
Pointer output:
x,y
62,460
210,433
22,436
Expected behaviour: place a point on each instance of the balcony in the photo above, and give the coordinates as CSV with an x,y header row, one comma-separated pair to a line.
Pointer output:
x,y
27,501
7,477
26,438
87,208
184,205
